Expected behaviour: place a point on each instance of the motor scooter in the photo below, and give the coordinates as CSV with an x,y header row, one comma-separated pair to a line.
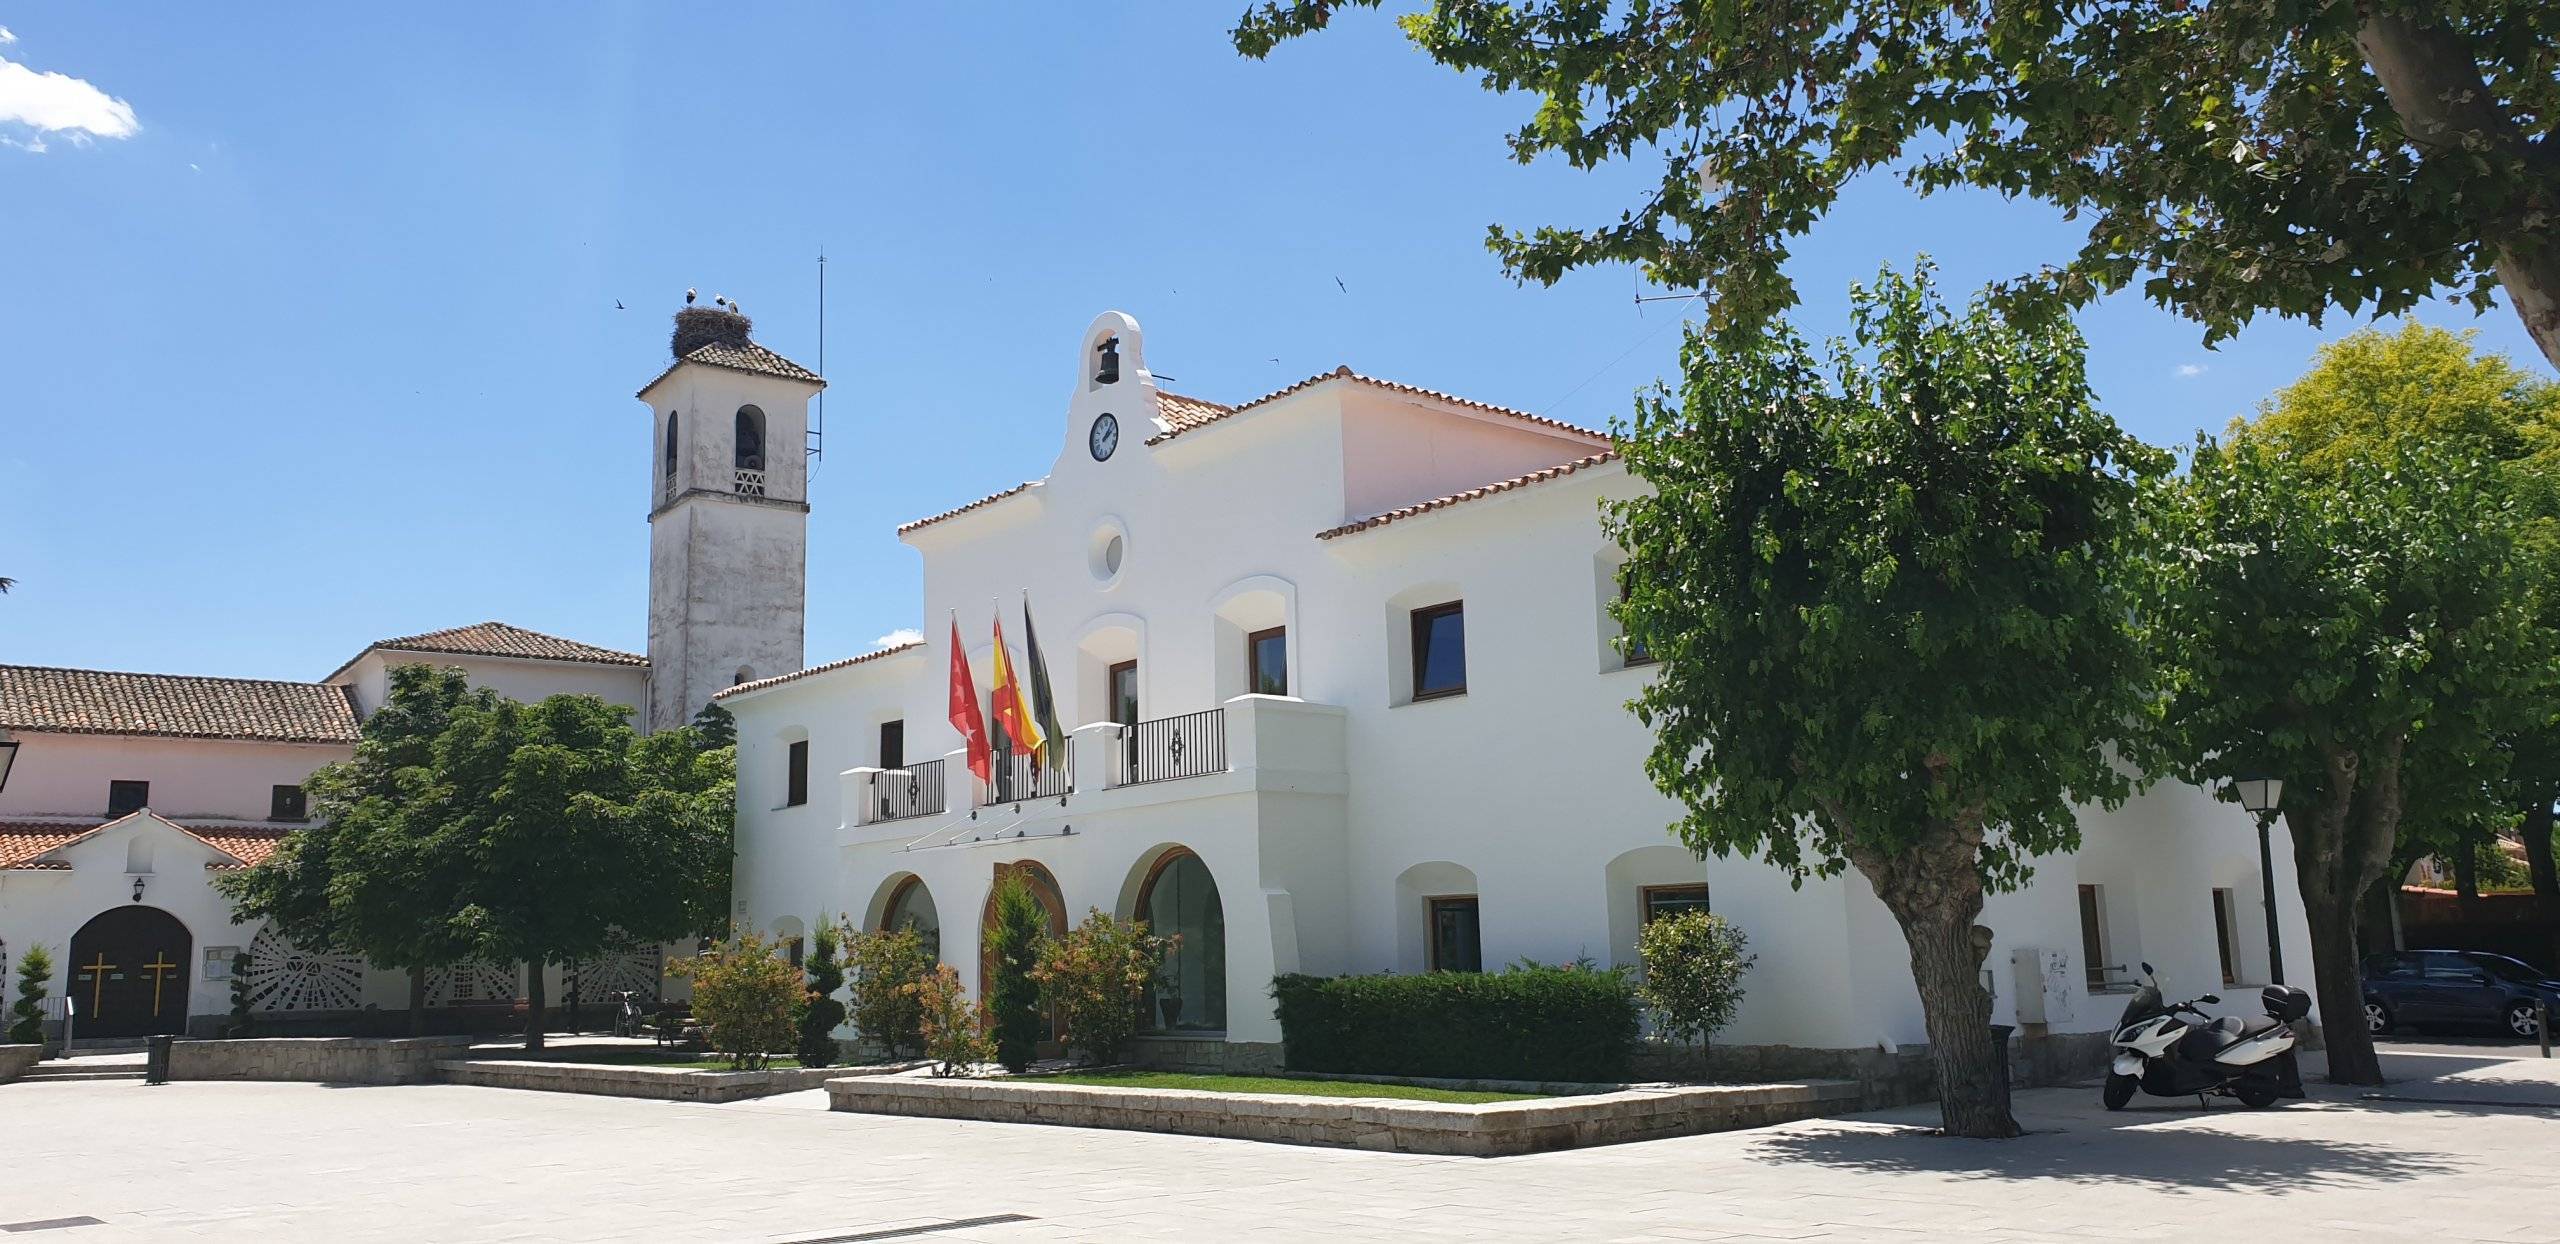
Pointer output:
x,y
2173,1049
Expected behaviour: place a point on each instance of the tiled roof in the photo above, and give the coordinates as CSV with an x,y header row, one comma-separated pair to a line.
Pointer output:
x,y
796,675
1558,471
1345,373
68,701
746,357
1186,413
989,499
497,639
22,841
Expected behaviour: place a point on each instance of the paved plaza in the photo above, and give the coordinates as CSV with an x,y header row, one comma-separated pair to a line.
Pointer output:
x,y
2462,1150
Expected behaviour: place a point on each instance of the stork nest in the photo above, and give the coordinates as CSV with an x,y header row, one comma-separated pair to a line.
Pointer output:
x,y
697,327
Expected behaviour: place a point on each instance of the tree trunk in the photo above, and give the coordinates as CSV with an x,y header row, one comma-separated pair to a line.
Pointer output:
x,y
2344,827
2536,829
2445,108
417,1002
1935,893
2466,869
533,1004
2339,983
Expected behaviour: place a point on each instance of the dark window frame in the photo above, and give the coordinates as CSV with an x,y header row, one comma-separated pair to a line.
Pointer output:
x,y
1253,659
1422,620
893,744
284,806
1631,651
1431,909
127,795
671,446
746,452
1677,892
795,779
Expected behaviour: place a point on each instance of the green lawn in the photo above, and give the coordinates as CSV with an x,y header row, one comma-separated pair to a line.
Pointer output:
x,y
1273,1085
640,1056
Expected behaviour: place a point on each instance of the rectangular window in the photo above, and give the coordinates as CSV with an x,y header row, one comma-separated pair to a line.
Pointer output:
x,y
1267,661
1457,943
1629,646
796,950
796,790
217,962
2093,935
286,803
1122,679
123,797
1440,651
2225,924
1671,900
893,744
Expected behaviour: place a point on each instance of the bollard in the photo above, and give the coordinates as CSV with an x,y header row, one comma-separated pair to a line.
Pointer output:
x,y
2000,1052
2542,1023
155,1065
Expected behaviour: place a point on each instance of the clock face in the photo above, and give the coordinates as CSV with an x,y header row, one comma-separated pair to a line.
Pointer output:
x,y
1104,438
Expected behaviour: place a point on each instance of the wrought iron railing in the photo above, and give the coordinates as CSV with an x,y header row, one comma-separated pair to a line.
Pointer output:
x,y
1017,779
916,790
1192,745
748,483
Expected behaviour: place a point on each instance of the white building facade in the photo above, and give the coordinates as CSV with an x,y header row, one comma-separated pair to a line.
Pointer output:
x,y
1345,696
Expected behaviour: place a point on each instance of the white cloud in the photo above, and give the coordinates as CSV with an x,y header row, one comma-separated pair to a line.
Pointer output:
x,y
899,637
35,146
56,103
2189,371
7,37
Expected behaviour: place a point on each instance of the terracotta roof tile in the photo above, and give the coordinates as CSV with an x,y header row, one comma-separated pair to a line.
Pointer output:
x,y
748,357
1558,471
1345,373
987,500
69,701
22,841
1185,413
497,639
796,675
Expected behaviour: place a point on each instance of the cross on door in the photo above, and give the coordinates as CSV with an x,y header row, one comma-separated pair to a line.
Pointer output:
x,y
160,967
98,980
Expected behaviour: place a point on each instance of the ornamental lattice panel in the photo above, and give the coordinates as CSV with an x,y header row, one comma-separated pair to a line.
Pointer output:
x,y
472,981
286,977
640,970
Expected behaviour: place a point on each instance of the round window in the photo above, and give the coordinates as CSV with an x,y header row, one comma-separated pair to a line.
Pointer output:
x,y
1107,551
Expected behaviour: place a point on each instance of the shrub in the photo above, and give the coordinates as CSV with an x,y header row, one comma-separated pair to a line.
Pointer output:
x,y
240,1023
1013,950
747,998
1693,967
953,1036
886,967
1095,981
1528,1022
820,1013
35,975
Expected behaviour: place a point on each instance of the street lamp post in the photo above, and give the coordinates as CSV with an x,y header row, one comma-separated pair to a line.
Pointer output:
x,y
2260,795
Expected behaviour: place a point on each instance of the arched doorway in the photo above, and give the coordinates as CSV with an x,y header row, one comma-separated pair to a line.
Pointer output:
x,y
1044,887
129,973
1180,899
910,906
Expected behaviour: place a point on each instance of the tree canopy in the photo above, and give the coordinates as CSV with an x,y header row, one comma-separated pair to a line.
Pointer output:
x,y
2232,158
1892,593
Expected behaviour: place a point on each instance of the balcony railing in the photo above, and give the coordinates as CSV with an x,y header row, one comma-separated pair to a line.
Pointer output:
x,y
1192,745
1017,779
748,483
913,791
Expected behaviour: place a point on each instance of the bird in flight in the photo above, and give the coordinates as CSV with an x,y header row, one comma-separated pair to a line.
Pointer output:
x,y
617,305
1337,281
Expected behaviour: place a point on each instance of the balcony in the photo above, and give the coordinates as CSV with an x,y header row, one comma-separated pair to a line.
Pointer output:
x,y
900,794
1169,748
1019,780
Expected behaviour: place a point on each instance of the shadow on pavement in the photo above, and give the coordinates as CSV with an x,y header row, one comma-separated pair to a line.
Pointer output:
x,y
2163,1159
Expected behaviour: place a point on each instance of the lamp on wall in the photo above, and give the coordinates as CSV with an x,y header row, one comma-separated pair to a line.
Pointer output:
x,y
8,758
137,888
2261,796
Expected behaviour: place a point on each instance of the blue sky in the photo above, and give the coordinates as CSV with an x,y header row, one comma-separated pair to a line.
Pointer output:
x,y
324,348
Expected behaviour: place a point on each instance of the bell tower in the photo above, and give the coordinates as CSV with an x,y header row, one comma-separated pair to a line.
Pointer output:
x,y
728,512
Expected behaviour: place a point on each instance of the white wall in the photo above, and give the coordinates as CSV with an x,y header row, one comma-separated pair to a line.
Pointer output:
x,y
66,775
516,678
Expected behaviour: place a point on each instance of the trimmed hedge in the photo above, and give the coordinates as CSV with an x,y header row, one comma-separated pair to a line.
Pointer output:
x,y
1529,1022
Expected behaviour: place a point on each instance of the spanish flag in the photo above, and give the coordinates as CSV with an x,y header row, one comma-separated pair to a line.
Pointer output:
x,y
1013,714
966,717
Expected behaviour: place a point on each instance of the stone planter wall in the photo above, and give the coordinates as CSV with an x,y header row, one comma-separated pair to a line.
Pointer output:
x,y
1214,1055
1490,1130
658,1083
327,1060
15,1059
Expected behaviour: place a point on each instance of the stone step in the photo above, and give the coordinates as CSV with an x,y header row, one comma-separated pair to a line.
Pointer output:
x,y
73,1071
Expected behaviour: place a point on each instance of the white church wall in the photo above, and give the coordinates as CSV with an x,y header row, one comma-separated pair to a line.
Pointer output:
x,y
66,775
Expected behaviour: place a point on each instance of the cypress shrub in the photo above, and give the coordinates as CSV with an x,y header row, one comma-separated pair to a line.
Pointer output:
x,y
820,1016
35,975
1013,949
1529,1022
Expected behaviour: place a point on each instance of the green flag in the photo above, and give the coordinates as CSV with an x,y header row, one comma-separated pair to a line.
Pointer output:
x,y
1044,702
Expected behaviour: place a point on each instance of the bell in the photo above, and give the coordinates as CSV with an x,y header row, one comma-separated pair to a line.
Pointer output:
x,y
1110,370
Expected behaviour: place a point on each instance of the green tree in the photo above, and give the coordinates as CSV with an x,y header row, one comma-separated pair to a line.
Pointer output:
x,y
954,1036
382,871
583,833
747,997
1013,951
886,965
1892,601
714,727
2357,631
2235,157
1694,962
240,1025
35,978
1095,980
820,1015
2375,395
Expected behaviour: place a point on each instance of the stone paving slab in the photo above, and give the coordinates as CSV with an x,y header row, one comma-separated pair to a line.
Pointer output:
x,y
283,1163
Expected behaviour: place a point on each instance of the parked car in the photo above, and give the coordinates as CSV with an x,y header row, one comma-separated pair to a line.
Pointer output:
x,y
2456,987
